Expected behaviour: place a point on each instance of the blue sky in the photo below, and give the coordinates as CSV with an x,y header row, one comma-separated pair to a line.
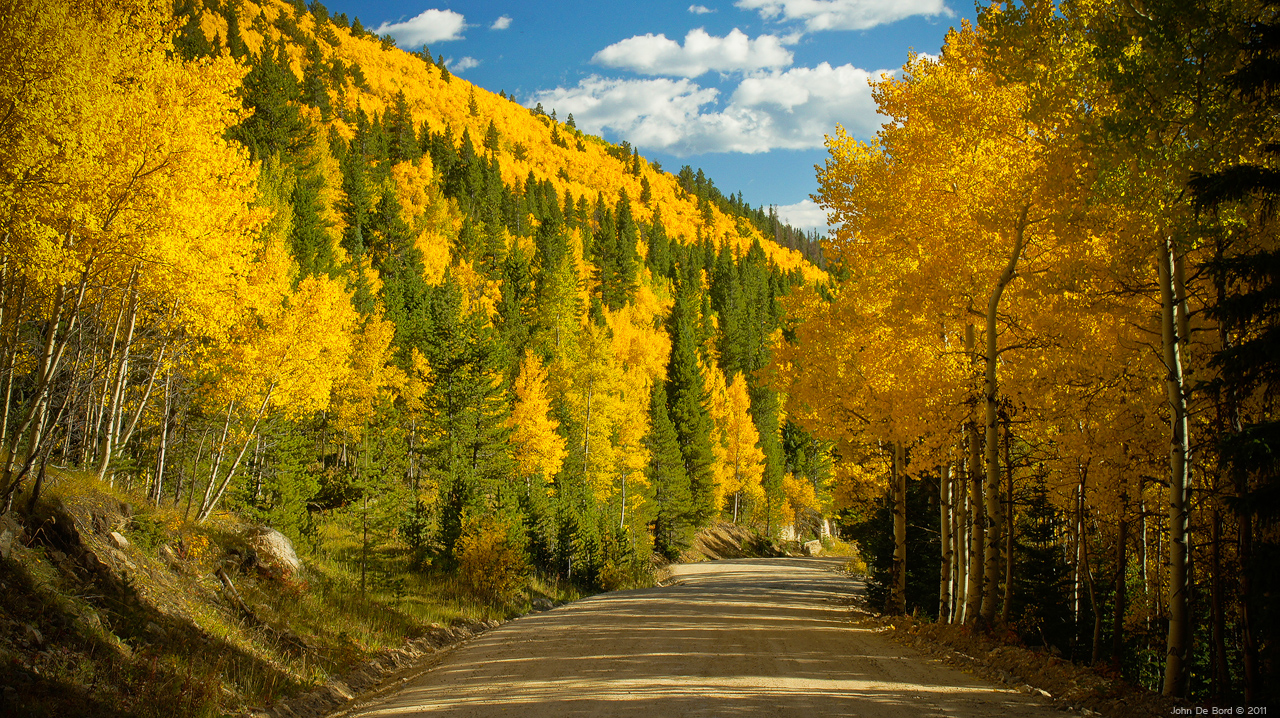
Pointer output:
x,y
744,89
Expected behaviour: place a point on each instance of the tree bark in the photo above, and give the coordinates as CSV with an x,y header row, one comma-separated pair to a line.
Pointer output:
x,y
944,542
117,392
992,395
977,522
960,541
1179,475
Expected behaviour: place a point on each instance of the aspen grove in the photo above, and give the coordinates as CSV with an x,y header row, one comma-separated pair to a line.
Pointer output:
x,y
1053,337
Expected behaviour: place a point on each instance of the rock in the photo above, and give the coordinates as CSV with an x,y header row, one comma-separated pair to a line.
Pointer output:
x,y
118,540
169,556
542,604
33,635
10,534
275,552
813,548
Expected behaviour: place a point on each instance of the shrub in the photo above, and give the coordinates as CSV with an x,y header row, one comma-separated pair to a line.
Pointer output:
x,y
491,561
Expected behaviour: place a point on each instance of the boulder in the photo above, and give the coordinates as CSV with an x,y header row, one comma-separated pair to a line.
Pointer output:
x,y
118,540
275,554
813,548
10,534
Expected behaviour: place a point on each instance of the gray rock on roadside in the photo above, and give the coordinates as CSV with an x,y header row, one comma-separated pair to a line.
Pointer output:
x,y
275,552
813,548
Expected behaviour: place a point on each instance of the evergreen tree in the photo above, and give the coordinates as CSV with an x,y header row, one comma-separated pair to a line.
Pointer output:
x,y
467,406
401,139
235,41
313,90
1040,577
312,245
189,39
659,259
668,482
270,90
355,205
686,394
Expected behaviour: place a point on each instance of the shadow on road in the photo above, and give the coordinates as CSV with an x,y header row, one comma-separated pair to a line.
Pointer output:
x,y
746,637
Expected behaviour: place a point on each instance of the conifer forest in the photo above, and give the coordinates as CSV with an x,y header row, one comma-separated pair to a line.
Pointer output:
x,y
260,265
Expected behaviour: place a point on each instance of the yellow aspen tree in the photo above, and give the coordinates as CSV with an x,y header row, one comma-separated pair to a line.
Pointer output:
x,y
536,446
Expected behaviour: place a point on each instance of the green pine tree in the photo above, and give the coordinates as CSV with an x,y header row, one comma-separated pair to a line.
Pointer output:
x,y
668,482
686,395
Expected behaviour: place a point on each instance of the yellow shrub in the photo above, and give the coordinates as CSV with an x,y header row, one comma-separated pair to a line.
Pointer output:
x,y
490,563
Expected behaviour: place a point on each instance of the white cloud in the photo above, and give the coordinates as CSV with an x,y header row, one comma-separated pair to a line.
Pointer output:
x,y
700,9
805,214
844,14
502,23
701,53
462,65
794,109
426,27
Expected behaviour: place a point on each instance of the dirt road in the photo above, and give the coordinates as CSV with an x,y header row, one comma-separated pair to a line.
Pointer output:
x,y
750,637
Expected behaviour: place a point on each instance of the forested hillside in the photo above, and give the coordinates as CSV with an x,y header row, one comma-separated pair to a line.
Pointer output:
x,y
1055,353
258,260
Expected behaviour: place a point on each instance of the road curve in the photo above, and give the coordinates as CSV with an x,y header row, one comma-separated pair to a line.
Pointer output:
x,y
749,637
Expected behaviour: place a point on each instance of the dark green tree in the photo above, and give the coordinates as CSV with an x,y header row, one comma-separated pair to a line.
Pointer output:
x,y
674,518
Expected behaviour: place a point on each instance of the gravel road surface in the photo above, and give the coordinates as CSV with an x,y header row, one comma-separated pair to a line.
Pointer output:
x,y
748,637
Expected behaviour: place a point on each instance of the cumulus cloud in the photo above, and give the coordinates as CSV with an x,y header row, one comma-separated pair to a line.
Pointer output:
x,y
462,65
700,9
805,214
656,55
844,14
426,27
502,23
794,109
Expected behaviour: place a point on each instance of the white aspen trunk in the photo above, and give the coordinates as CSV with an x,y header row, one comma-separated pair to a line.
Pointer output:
x,y
960,532
164,437
1008,528
977,522
944,542
11,356
117,392
1179,476
226,481
54,346
992,396
142,403
215,460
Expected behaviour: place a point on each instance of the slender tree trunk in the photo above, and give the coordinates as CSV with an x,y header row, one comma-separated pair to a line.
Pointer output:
x,y
1008,523
898,598
117,392
977,523
960,540
52,349
231,472
11,356
163,450
944,542
1179,475
992,395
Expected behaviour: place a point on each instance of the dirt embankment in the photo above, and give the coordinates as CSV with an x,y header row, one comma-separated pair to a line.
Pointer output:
x,y
1072,687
